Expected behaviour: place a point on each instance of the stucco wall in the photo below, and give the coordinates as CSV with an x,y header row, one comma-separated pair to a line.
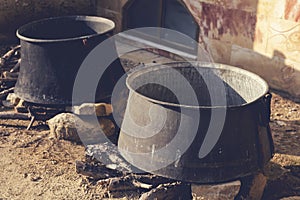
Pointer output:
x,y
14,13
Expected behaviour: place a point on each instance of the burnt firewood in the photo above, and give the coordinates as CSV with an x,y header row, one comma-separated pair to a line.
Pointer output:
x,y
151,179
16,67
129,182
4,93
8,55
114,180
8,81
10,75
95,172
169,191
14,115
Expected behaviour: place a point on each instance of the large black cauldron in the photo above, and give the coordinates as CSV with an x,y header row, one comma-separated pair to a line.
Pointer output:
x,y
52,51
162,134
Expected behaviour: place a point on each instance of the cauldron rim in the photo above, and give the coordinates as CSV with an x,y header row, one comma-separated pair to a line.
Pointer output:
x,y
197,64
20,35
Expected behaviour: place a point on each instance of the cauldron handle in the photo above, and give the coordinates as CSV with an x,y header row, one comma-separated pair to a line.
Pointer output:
x,y
265,110
265,135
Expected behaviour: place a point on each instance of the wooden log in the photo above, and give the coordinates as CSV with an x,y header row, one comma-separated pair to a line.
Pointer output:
x,y
7,56
4,80
7,83
4,93
11,75
14,115
16,67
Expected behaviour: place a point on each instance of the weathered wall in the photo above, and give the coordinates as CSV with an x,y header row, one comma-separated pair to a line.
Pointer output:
x,y
262,36
14,13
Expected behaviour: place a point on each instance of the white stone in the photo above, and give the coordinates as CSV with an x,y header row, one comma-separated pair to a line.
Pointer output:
x,y
70,127
13,99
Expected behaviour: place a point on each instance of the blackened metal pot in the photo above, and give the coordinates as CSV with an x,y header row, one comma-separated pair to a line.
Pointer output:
x,y
197,122
53,49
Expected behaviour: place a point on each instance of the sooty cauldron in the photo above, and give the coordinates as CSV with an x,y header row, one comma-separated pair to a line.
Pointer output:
x,y
164,128
52,51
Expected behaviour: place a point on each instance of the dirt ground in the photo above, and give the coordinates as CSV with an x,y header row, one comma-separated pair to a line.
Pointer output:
x,y
34,165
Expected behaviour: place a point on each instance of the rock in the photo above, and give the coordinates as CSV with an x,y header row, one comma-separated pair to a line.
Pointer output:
x,y
278,114
21,107
294,109
35,178
63,126
13,99
100,109
7,104
281,123
218,191
67,126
